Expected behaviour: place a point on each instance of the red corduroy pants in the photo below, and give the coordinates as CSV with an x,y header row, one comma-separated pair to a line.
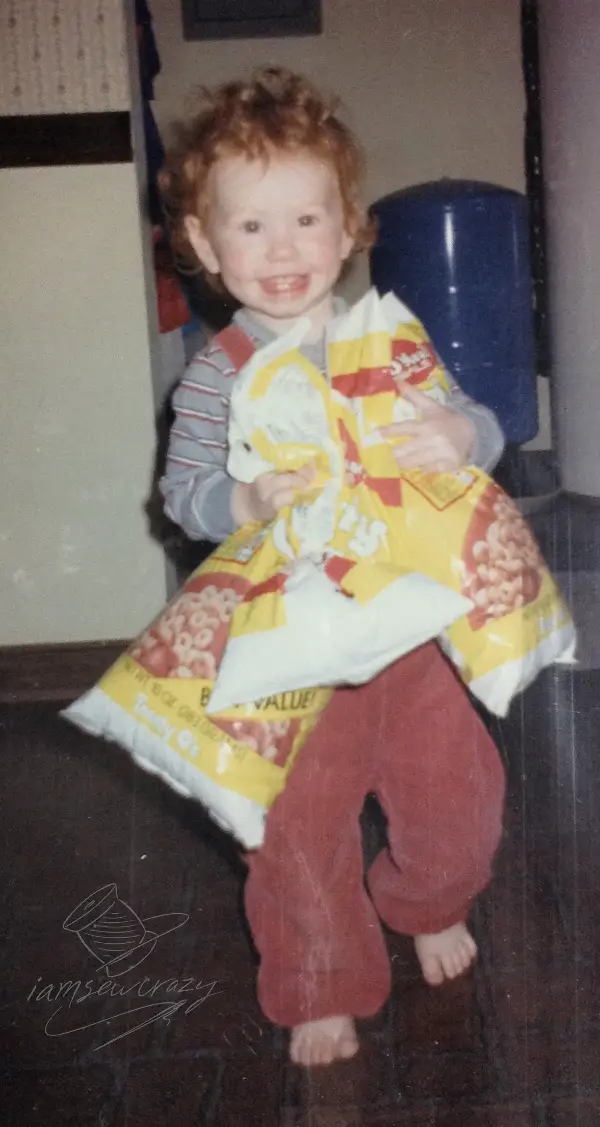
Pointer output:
x,y
412,737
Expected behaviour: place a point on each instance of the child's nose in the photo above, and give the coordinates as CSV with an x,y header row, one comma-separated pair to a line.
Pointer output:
x,y
281,247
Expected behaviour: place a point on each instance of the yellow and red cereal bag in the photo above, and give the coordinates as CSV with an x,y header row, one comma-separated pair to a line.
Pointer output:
x,y
375,531
367,564
153,700
345,600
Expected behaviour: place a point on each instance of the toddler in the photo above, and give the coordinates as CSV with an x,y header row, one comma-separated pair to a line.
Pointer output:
x,y
263,195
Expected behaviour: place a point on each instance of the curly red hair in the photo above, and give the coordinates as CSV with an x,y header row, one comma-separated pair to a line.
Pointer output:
x,y
275,111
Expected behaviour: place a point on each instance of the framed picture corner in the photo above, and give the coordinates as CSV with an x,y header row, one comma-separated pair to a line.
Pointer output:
x,y
250,19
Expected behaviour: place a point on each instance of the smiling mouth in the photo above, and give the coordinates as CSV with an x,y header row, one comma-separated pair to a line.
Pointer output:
x,y
285,284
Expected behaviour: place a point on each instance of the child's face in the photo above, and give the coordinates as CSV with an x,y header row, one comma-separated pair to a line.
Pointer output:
x,y
276,235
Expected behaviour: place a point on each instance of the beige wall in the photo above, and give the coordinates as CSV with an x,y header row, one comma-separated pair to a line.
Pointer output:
x,y
78,328
77,410
433,87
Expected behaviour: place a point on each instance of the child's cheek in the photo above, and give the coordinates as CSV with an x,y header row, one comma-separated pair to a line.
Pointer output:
x,y
239,262
334,257
320,246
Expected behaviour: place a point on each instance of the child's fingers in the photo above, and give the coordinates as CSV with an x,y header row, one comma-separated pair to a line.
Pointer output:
x,y
273,491
417,398
297,479
305,473
410,428
281,498
413,454
286,481
287,486
305,477
424,456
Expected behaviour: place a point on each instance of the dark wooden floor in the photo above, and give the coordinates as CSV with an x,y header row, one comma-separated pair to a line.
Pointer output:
x,y
183,1044
515,1043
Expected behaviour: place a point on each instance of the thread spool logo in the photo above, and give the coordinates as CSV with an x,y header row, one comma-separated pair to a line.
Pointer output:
x,y
119,940
114,934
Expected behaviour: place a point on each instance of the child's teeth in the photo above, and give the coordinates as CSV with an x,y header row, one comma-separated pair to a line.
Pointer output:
x,y
284,283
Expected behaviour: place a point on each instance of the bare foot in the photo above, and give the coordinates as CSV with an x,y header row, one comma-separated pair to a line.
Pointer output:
x,y
445,955
322,1042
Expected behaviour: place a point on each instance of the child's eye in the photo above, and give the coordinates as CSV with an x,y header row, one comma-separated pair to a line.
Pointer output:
x,y
307,220
251,226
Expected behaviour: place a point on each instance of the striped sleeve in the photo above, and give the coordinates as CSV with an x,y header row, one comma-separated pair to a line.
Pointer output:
x,y
196,486
489,439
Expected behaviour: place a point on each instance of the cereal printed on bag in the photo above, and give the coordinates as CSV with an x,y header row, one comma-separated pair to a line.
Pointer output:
x,y
189,637
271,739
504,566
188,640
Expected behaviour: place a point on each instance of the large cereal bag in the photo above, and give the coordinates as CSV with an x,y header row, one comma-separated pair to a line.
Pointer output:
x,y
337,539
375,532
152,701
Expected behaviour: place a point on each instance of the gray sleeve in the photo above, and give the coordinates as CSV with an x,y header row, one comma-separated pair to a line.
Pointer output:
x,y
489,439
196,486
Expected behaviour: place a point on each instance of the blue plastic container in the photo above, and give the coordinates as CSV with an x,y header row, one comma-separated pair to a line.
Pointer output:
x,y
457,253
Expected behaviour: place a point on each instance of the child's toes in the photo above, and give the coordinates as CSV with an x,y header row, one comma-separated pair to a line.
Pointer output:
x,y
463,959
451,965
468,951
433,970
470,945
460,960
446,954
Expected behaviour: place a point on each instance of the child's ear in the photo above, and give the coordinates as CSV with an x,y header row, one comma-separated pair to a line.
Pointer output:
x,y
347,245
201,244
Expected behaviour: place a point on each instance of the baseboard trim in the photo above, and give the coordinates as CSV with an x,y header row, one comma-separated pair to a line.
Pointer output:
x,y
57,672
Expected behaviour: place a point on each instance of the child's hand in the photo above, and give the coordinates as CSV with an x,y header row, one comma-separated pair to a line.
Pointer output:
x,y
263,499
440,441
